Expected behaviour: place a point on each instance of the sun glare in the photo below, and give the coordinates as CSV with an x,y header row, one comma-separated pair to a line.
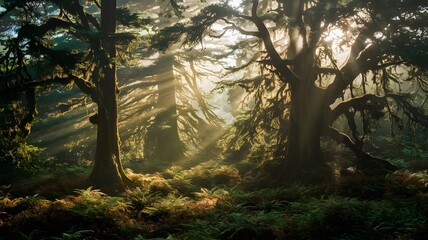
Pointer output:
x,y
235,3
334,35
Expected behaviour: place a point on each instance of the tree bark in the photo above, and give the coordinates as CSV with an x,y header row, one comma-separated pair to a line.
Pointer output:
x,y
306,123
107,173
305,128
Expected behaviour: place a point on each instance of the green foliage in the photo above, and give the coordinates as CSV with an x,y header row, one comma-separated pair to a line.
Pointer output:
x,y
398,162
32,235
167,37
169,206
139,237
74,235
334,217
128,19
413,146
17,154
241,211
388,220
92,203
195,32
212,193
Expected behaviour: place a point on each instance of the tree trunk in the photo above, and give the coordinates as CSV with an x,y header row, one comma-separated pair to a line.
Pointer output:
x,y
165,141
107,173
305,128
303,151
302,158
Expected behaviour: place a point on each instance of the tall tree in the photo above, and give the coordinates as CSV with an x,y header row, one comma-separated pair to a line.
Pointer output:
x,y
170,92
34,59
304,86
163,142
107,171
164,103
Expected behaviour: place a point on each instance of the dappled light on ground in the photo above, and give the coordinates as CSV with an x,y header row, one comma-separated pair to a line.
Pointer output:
x,y
213,119
187,204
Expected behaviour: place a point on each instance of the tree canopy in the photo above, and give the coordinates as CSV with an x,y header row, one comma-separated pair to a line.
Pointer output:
x,y
319,62
309,70
213,119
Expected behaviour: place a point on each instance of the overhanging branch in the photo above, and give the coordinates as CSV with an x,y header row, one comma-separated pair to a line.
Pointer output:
x,y
84,86
367,102
377,104
366,160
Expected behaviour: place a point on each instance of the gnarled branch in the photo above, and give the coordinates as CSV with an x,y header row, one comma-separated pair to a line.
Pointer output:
x,y
367,102
286,74
366,160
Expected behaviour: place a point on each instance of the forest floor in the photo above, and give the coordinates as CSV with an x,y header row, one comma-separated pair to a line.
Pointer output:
x,y
214,200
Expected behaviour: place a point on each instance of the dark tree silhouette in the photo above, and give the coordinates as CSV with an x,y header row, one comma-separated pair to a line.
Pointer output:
x,y
107,171
304,86
34,59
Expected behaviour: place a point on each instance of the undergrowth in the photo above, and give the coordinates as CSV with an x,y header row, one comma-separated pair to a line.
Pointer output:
x,y
217,203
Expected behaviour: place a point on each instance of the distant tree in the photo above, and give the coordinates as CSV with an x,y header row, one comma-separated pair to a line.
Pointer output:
x,y
33,58
163,134
305,85
174,123
173,115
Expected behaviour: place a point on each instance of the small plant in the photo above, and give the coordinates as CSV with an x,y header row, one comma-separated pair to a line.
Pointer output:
x,y
388,220
32,235
139,237
31,200
4,190
93,202
213,193
170,205
74,235
19,155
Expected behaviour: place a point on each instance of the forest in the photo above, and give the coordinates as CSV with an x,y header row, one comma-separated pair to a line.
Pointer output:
x,y
213,119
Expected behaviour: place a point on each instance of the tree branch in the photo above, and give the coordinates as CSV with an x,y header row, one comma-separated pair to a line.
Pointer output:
x,y
351,69
30,31
84,86
286,74
368,161
324,70
367,102
240,30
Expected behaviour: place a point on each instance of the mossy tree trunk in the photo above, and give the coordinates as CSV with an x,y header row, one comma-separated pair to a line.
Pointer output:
x,y
107,173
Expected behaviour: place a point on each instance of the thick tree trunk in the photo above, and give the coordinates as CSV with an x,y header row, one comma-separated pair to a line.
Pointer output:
x,y
107,173
302,159
165,139
306,123
305,129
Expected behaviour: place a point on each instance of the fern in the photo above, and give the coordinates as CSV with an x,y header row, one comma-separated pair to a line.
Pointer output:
x,y
93,202
74,235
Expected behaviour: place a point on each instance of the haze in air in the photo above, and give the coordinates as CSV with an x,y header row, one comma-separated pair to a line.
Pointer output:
x,y
239,119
